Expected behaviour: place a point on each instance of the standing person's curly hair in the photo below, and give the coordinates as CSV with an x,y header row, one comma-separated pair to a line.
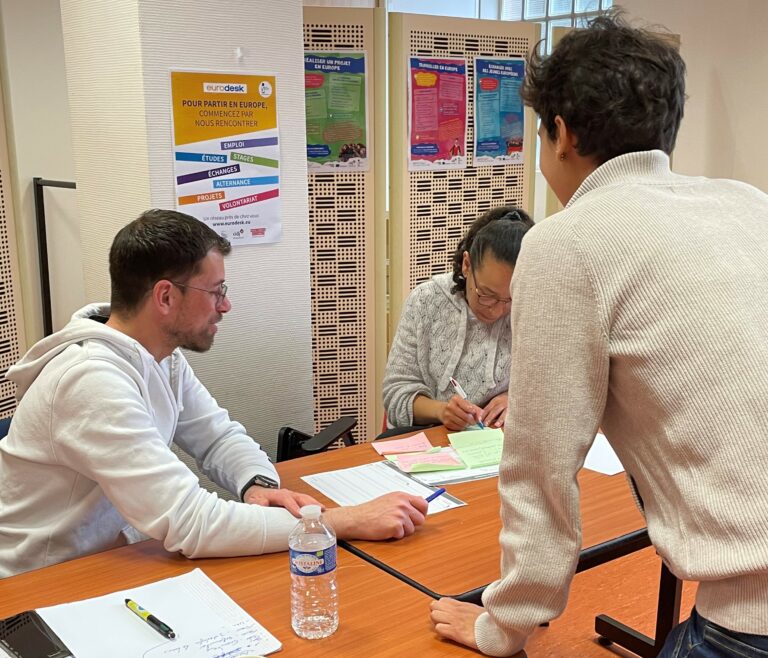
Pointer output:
x,y
617,88
501,230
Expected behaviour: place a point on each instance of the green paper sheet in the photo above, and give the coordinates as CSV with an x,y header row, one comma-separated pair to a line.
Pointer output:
x,y
478,448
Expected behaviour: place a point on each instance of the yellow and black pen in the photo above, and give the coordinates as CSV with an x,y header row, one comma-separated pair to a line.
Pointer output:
x,y
164,629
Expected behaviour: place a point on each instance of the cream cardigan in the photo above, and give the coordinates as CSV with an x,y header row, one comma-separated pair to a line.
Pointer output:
x,y
642,308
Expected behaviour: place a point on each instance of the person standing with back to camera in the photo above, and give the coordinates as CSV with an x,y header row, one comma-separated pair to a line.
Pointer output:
x,y
642,307
457,325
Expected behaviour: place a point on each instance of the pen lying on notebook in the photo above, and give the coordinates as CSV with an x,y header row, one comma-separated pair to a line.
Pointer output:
x,y
164,629
460,392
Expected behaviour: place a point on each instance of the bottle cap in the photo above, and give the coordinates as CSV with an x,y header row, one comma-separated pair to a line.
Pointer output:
x,y
310,512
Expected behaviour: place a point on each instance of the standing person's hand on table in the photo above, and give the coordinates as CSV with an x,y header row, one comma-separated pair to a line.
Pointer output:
x,y
455,620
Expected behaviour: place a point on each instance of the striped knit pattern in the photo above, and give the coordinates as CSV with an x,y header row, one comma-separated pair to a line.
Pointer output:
x,y
641,308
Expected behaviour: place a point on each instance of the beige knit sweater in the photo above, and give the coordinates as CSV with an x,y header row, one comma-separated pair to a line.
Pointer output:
x,y
642,308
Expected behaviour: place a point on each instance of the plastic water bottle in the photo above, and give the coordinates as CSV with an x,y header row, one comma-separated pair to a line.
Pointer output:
x,y
314,602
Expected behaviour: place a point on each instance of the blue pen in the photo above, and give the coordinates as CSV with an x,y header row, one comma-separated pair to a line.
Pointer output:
x,y
437,493
460,392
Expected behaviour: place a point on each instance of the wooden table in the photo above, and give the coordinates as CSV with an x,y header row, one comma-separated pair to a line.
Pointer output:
x,y
464,542
457,552
379,615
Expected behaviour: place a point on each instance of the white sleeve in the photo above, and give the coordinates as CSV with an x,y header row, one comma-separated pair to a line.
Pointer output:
x,y
223,450
557,392
103,429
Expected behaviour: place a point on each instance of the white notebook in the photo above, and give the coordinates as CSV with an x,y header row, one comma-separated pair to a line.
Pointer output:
x,y
207,623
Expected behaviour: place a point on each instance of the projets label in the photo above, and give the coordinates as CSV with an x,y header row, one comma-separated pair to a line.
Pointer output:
x,y
225,88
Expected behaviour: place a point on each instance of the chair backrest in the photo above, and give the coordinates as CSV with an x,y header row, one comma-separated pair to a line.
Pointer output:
x,y
5,425
291,443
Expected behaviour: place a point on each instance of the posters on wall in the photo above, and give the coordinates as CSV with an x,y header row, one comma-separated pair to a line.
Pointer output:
x,y
227,153
337,118
499,124
437,113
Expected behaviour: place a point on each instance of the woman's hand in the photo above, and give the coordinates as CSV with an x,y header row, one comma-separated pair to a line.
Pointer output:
x,y
458,413
495,412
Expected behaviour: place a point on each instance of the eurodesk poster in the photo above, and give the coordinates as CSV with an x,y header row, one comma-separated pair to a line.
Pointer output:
x,y
227,153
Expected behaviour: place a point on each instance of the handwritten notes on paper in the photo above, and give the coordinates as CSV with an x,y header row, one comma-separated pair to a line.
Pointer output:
x,y
208,624
416,443
478,448
226,642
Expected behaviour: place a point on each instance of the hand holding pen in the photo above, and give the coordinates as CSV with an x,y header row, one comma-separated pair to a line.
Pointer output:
x,y
460,412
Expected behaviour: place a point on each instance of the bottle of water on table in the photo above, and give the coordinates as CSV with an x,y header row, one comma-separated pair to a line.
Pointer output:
x,y
314,601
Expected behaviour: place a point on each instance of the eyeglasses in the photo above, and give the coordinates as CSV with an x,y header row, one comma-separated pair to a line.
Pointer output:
x,y
220,294
488,301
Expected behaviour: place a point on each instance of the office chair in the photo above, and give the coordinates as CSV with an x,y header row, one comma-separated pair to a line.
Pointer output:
x,y
292,443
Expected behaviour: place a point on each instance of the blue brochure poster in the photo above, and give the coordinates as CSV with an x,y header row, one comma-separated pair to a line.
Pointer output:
x,y
499,123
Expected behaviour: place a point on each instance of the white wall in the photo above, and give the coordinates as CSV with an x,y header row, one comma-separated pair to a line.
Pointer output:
x,y
39,141
119,57
723,44
262,367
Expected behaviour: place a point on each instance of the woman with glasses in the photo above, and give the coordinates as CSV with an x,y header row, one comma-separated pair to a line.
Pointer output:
x,y
456,326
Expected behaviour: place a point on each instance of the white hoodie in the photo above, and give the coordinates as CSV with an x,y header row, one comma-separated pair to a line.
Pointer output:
x,y
87,458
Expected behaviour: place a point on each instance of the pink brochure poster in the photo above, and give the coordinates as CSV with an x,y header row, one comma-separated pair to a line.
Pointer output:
x,y
437,114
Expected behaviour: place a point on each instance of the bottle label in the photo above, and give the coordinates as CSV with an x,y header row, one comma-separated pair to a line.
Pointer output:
x,y
314,563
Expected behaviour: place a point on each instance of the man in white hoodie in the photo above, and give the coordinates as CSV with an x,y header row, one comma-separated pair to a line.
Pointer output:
x,y
87,462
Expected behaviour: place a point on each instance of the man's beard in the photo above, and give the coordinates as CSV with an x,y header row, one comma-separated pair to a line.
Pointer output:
x,y
196,343
201,341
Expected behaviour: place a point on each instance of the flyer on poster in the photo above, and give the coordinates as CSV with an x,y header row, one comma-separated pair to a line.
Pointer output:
x,y
499,112
227,153
337,119
437,113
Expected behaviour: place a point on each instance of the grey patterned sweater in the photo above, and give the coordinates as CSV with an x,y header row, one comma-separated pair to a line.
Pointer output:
x,y
439,337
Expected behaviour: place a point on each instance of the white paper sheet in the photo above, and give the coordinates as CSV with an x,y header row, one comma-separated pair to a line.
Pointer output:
x,y
436,478
352,486
602,458
206,621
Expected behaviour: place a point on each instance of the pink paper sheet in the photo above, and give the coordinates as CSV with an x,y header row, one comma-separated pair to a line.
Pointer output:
x,y
416,443
443,458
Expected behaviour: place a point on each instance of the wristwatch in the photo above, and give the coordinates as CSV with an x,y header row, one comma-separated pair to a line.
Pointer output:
x,y
259,481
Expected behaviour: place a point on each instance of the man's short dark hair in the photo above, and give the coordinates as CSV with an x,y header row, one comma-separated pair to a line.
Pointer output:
x,y
619,89
159,244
